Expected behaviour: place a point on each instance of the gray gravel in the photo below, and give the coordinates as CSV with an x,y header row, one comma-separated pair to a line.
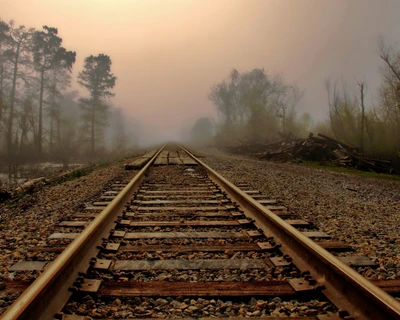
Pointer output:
x,y
31,220
196,308
364,212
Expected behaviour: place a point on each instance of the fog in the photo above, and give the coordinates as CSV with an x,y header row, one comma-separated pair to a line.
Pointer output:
x,y
168,54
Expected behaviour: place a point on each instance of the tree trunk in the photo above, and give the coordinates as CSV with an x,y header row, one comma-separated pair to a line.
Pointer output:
x,y
12,102
362,116
51,134
92,135
1,91
40,133
58,123
53,114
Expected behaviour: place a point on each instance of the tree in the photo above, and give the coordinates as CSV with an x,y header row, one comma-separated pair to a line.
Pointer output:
x,y
362,95
286,105
254,105
343,113
4,42
59,81
389,109
17,54
97,78
119,135
48,54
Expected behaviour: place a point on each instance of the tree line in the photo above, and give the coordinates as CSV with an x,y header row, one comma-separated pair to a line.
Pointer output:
x,y
40,117
255,106
375,128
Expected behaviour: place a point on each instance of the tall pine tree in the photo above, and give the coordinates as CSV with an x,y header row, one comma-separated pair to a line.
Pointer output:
x,y
47,55
97,78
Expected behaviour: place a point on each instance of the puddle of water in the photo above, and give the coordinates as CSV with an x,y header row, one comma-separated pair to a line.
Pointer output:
x,y
27,172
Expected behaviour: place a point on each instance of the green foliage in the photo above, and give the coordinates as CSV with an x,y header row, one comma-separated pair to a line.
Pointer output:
x,y
96,76
77,174
352,171
48,52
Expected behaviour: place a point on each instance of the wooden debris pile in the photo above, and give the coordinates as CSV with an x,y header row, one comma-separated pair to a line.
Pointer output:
x,y
321,148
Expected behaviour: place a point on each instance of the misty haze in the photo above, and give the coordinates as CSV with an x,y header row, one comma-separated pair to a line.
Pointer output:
x,y
227,74
199,159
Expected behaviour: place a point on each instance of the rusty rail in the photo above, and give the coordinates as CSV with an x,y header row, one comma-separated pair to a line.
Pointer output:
x,y
346,288
49,292
342,285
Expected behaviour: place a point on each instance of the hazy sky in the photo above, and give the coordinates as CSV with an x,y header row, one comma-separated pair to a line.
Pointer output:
x,y
167,53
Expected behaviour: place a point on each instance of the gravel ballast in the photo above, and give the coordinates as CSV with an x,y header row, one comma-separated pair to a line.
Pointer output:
x,y
31,220
364,212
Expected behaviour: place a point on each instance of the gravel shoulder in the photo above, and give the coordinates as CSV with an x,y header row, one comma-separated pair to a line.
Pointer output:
x,y
364,212
33,218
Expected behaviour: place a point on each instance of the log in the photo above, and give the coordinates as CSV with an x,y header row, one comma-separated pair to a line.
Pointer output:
x,y
30,185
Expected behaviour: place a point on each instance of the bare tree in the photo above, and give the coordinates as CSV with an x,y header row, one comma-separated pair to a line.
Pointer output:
x,y
253,103
362,87
343,113
390,95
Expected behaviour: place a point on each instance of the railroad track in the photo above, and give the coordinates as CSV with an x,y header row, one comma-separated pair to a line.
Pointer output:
x,y
180,241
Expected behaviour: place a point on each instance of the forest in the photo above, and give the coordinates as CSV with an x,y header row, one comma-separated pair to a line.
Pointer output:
x,y
41,118
256,106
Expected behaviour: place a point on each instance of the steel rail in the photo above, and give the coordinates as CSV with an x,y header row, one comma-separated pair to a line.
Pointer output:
x,y
49,292
346,288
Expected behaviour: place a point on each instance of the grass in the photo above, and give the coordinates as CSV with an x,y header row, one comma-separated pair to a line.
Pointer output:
x,y
78,173
104,164
13,202
360,173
